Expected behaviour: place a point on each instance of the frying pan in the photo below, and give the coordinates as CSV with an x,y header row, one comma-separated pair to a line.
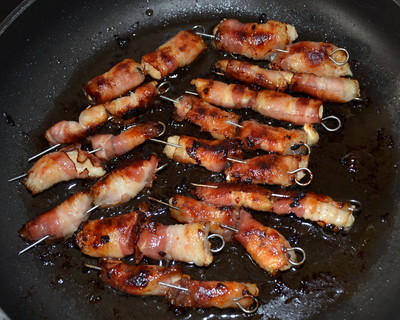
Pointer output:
x,y
49,48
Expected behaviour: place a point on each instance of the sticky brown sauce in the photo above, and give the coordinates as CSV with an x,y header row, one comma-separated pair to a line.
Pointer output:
x,y
348,164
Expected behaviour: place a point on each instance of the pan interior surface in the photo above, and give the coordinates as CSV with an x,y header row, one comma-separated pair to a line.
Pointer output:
x,y
51,48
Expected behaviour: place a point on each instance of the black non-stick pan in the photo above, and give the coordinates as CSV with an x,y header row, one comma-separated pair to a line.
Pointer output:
x,y
49,48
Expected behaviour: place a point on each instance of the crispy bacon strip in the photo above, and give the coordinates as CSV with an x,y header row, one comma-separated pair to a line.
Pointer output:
x,y
120,79
177,52
268,169
72,131
114,237
187,243
114,146
191,210
63,165
267,247
59,223
138,280
208,117
211,154
124,183
311,57
136,103
253,40
271,104
331,89
321,209
208,294
255,135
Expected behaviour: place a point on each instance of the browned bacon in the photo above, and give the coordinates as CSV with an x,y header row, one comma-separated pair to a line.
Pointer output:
x,y
187,243
253,40
63,165
208,294
59,223
252,74
267,247
312,57
188,210
114,146
120,79
114,237
208,117
235,194
211,154
271,104
134,104
72,131
124,183
268,169
255,135
177,52
140,279
321,209
332,89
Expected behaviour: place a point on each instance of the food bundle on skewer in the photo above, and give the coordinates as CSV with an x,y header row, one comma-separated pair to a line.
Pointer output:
x,y
313,68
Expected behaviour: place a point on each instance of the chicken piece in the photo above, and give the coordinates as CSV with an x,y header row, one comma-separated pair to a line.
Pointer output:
x,y
177,52
121,78
63,165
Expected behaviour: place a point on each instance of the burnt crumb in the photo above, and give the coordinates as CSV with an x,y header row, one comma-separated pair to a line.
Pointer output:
x,y
162,253
140,280
262,19
121,41
9,120
296,200
352,162
93,299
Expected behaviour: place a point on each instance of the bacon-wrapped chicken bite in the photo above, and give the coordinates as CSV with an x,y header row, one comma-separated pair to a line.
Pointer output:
x,y
120,79
89,121
114,146
332,89
134,104
208,294
312,57
235,194
211,154
183,242
321,209
188,210
138,280
252,74
253,40
61,222
255,135
114,237
177,52
124,183
208,117
277,105
63,165
324,88
268,169
268,248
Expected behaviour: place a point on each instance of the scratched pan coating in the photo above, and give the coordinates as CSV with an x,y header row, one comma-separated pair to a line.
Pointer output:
x,y
54,46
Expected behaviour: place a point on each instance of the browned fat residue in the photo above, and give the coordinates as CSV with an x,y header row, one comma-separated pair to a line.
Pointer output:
x,y
140,280
317,56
